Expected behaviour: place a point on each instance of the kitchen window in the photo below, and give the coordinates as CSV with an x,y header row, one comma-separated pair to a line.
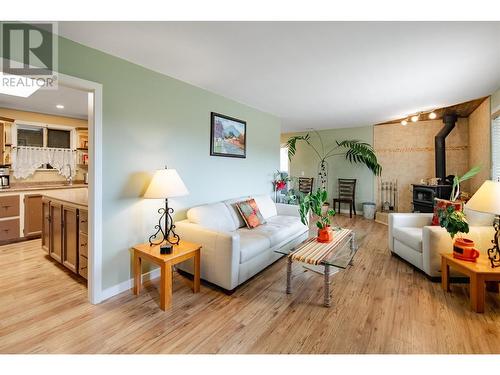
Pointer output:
x,y
43,135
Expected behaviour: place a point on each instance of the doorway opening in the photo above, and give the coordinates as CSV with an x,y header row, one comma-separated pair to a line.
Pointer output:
x,y
50,174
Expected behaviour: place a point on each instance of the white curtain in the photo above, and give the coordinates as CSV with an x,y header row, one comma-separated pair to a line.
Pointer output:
x,y
26,160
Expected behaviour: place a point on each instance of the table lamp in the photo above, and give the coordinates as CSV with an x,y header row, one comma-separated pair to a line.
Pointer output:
x,y
487,199
166,183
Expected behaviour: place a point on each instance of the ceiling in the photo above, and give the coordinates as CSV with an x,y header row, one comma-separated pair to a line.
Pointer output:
x,y
314,74
44,101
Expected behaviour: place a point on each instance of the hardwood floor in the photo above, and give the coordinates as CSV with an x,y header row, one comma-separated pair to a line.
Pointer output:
x,y
379,305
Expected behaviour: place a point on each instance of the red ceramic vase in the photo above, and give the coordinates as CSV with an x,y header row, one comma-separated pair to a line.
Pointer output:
x,y
325,235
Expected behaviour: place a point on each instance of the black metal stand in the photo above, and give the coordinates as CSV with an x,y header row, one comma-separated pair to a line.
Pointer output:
x,y
494,252
167,237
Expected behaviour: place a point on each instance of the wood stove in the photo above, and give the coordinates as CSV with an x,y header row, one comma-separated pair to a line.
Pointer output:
x,y
423,196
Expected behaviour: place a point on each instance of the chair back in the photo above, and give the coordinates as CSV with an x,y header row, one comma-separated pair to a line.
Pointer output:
x,y
347,188
306,184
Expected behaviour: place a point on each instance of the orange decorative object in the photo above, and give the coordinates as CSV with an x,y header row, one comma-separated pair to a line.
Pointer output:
x,y
463,249
325,235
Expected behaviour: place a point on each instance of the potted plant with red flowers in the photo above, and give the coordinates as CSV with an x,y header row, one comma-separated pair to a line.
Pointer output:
x,y
280,182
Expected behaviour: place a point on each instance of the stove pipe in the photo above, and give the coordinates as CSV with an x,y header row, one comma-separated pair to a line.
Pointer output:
x,y
440,145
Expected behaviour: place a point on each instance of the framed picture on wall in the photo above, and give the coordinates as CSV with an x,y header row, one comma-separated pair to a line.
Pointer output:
x,y
228,136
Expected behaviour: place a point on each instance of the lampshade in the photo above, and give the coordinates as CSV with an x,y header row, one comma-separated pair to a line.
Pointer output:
x,y
486,199
166,183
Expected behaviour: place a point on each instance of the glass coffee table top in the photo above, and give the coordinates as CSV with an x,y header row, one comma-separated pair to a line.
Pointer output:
x,y
339,256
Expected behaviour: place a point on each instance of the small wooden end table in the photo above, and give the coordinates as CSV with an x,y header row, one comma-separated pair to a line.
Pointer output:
x,y
481,275
182,252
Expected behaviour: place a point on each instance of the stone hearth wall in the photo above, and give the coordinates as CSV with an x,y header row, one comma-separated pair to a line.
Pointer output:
x,y
480,143
406,154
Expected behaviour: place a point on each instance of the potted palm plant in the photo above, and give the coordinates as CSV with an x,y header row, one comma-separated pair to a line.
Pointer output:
x,y
354,151
313,203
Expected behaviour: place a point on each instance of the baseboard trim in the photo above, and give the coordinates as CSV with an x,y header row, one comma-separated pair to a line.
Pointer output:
x,y
128,284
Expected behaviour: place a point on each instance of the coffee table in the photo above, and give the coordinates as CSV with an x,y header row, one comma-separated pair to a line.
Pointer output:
x,y
335,255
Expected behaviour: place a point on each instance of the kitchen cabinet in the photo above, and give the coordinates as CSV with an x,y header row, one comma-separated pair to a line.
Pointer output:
x,y
70,238
55,231
83,242
9,229
9,206
33,216
45,224
5,140
65,234
9,217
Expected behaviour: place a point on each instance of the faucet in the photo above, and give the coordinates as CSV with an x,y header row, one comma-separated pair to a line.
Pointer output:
x,y
70,178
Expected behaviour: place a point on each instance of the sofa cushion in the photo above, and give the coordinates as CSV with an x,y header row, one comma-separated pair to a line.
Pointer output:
x,y
233,211
252,244
266,206
214,216
279,228
409,236
250,212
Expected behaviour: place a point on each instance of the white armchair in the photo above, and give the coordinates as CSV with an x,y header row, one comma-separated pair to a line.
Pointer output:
x,y
412,237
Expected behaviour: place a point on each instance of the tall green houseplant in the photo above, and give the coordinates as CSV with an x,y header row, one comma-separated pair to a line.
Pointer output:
x,y
354,151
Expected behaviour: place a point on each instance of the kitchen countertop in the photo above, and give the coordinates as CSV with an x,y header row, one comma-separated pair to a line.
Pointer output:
x,y
77,197
34,187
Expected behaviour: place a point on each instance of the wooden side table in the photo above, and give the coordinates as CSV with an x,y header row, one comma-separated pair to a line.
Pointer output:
x,y
481,276
182,252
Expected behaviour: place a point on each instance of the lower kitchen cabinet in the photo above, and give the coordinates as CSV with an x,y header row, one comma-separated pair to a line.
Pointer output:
x,y
45,224
9,218
70,238
55,231
32,215
63,235
9,229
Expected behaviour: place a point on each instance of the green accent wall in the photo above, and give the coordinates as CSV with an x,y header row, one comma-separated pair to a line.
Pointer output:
x,y
307,162
151,120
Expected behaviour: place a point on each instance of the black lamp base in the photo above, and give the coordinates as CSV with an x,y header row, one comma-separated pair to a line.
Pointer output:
x,y
494,252
167,237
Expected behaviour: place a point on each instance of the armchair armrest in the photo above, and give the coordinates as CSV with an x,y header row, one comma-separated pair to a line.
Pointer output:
x,y
220,253
287,209
406,220
436,240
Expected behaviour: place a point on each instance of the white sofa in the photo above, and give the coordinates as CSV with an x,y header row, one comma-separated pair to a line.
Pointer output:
x,y
232,253
412,237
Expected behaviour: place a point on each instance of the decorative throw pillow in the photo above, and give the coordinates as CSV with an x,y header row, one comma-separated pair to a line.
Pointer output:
x,y
442,204
250,213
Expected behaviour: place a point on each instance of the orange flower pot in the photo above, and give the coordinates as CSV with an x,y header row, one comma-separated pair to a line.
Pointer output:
x,y
325,235
463,249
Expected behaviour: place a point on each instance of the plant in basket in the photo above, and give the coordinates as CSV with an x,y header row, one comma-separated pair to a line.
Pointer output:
x,y
313,203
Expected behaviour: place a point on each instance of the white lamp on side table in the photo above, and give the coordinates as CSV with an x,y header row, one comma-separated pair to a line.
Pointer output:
x,y
487,199
166,183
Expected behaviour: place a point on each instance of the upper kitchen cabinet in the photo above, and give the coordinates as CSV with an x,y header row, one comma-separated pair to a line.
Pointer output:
x,y
82,144
5,140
